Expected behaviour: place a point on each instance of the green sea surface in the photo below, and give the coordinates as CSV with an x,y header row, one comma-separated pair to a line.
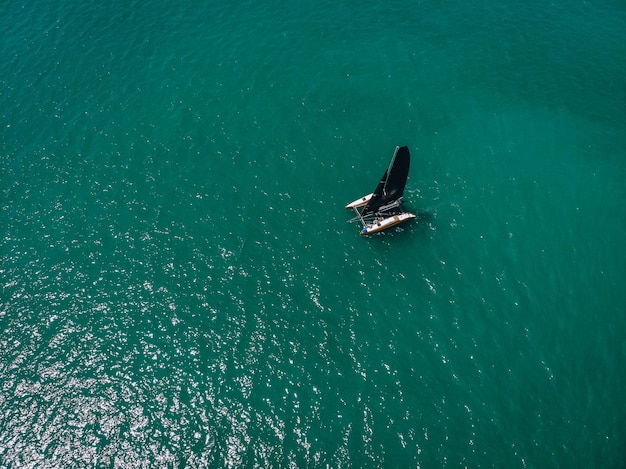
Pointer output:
x,y
179,283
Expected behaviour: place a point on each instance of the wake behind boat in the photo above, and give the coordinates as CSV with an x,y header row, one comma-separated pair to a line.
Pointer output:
x,y
383,208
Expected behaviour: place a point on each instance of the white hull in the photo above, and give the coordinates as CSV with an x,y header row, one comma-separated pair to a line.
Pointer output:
x,y
359,202
382,224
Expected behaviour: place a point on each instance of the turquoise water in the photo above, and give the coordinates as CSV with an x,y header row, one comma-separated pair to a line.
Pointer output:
x,y
180,287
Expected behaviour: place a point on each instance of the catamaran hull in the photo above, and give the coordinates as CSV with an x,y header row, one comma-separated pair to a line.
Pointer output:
x,y
359,202
386,223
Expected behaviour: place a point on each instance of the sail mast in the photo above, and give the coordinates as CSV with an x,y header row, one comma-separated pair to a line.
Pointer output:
x,y
388,172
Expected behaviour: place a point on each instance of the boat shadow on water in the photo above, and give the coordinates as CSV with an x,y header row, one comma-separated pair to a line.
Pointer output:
x,y
424,217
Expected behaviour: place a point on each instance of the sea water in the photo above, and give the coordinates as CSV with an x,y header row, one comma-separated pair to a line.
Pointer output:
x,y
179,283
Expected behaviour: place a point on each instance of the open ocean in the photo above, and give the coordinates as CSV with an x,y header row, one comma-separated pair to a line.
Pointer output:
x,y
179,286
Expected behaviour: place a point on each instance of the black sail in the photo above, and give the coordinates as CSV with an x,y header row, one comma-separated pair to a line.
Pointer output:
x,y
391,186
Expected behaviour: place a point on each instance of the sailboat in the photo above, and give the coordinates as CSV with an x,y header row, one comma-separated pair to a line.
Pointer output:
x,y
383,208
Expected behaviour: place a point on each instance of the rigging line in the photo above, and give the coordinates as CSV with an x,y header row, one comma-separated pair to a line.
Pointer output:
x,y
359,216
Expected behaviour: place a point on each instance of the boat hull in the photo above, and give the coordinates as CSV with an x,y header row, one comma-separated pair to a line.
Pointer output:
x,y
385,223
359,202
